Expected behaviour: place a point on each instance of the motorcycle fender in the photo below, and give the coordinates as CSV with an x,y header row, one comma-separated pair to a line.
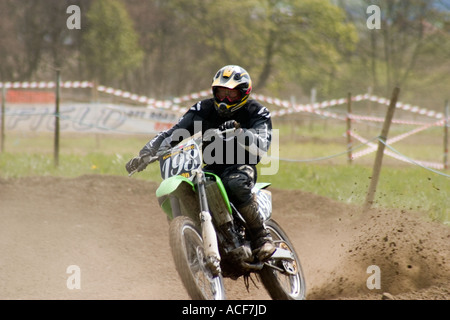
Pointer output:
x,y
169,187
264,198
222,190
261,185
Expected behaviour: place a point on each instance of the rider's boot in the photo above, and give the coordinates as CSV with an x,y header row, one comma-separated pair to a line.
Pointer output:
x,y
262,242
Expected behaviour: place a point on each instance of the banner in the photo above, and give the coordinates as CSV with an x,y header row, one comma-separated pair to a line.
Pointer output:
x,y
88,117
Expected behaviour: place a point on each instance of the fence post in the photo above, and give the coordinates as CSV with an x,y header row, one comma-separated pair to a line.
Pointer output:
x,y
379,157
312,100
349,128
446,125
2,134
369,107
293,120
57,129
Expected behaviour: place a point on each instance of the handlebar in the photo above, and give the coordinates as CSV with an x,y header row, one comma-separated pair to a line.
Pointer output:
x,y
150,159
216,132
147,160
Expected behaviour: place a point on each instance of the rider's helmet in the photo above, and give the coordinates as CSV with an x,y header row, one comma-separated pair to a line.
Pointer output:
x,y
231,88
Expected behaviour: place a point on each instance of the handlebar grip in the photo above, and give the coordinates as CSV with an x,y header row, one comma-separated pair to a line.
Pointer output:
x,y
142,166
147,160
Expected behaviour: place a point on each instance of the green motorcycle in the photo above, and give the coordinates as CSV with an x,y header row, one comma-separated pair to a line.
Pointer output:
x,y
208,236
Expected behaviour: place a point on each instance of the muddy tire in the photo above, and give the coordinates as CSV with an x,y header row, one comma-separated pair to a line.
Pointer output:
x,y
287,285
188,254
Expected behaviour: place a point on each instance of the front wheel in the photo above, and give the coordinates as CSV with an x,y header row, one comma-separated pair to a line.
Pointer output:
x,y
283,279
189,257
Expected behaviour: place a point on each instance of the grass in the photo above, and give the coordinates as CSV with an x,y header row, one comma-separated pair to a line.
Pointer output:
x,y
407,188
16,165
401,185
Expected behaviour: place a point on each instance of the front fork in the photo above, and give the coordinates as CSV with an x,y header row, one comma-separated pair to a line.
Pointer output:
x,y
208,232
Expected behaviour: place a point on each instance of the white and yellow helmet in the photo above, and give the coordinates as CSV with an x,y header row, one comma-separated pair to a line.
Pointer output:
x,y
231,77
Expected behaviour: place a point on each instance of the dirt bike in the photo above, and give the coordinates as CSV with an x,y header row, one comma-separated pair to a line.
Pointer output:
x,y
208,236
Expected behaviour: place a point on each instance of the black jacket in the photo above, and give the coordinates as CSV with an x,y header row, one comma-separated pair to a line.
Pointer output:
x,y
254,140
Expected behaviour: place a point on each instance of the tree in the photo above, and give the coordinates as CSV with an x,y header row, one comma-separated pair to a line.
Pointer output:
x,y
110,44
409,50
278,41
306,41
22,42
169,54
35,38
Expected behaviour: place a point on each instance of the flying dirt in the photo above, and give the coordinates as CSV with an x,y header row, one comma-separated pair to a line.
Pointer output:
x,y
113,232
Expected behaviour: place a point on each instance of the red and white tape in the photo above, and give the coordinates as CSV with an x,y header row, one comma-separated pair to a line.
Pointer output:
x,y
45,85
408,107
298,107
396,121
373,147
289,107
151,103
334,102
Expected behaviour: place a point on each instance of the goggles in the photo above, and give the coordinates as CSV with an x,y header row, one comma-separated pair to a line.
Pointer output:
x,y
232,95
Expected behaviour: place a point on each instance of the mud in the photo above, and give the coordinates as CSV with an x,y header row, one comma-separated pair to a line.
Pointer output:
x,y
113,230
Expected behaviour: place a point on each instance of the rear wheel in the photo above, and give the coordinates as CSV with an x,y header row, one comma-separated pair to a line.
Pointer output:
x,y
283,279
188,254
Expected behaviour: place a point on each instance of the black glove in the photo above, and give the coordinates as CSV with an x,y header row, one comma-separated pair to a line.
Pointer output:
x,y
230,124
137,163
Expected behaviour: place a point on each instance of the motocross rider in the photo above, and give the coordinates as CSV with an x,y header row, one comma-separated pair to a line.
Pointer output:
x,y
229,107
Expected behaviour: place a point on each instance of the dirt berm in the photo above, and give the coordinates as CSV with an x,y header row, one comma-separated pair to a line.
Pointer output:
x,y
113,230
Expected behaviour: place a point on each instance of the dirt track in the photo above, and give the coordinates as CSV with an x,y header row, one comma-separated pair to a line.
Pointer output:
x,y
113,229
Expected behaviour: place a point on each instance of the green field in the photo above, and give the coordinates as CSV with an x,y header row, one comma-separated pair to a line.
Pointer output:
x,y
319,150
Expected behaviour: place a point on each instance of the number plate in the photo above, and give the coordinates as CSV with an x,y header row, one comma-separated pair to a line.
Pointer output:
x,y
181,160
264,199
